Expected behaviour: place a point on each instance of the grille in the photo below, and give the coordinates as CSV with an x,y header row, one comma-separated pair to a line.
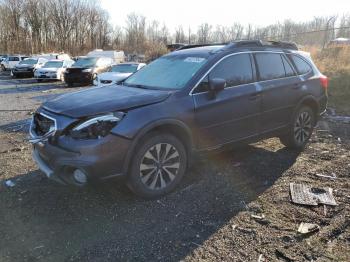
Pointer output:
x,y
42,124
73,70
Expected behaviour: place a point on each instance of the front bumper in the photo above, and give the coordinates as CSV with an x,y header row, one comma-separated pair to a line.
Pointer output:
x,y
98,158
79,78
46,76
23,73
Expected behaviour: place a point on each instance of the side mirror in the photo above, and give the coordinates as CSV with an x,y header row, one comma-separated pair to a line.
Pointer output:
x,y
215,86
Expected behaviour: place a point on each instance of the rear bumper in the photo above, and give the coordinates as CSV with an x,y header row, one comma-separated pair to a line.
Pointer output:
x,y
98,159
323,101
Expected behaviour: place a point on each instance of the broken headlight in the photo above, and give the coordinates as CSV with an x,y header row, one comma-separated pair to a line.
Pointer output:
x,y
96,127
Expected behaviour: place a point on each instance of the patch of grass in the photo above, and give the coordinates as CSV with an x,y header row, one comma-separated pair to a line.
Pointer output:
x,y
334,62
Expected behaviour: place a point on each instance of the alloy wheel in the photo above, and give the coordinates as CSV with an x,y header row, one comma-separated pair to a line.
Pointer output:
x,y
303,127
159,166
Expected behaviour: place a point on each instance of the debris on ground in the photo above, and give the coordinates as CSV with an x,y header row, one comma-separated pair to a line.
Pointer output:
x,y
307,228
305,195
332,176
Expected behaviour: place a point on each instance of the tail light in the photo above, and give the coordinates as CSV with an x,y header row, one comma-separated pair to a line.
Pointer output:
x,y
324,82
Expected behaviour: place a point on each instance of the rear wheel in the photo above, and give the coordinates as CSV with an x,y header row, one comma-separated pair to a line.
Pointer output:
x,y
158,166
300,129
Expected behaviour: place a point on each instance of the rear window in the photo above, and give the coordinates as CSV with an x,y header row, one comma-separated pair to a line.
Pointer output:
x,y
270,66
300,64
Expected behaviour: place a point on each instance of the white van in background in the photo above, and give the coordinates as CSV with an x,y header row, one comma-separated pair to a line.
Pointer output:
x,y
11,61
117,56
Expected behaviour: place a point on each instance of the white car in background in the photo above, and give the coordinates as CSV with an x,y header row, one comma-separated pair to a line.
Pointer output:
x,y
118,73
53,69
11,61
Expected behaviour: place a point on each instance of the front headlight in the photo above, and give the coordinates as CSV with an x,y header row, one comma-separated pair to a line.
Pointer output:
x,y
96,127
88,70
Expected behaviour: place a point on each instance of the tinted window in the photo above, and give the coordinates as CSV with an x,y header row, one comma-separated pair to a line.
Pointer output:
x,y
86,62
301,66
13,58
288,68
270,66
124,68
236,70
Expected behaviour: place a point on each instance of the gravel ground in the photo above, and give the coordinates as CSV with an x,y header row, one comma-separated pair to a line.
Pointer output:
x,y
208,218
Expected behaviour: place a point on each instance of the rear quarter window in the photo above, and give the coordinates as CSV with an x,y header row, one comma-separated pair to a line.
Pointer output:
x,y
270,66
300,64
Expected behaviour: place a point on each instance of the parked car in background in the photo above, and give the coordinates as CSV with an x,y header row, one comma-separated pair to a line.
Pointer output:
x,y
3,57
117,73
85,70
189,101
53,56
53,70
116,56
11,61
27,67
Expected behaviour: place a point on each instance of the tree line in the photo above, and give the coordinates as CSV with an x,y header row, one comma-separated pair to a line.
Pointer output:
x,y
78,26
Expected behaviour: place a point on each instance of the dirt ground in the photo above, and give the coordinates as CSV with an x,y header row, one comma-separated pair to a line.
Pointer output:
x,y
208,218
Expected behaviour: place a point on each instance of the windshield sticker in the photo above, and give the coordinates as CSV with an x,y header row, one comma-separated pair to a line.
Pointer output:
x,y
194,59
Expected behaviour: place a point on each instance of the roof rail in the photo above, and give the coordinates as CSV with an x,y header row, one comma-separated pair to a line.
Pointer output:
x,y
199,45
244,43
283,44
247,43
259,43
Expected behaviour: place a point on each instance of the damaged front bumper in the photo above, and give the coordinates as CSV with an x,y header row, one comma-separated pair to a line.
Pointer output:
x,y
77,161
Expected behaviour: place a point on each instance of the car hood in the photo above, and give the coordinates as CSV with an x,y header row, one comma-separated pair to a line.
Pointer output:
x,y
48,69
99,100
113,76
24,66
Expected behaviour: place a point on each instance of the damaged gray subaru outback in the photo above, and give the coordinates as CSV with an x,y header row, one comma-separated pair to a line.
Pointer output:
x,y
196,99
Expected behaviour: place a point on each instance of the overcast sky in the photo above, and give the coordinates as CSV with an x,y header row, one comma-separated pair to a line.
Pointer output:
x,y
224,12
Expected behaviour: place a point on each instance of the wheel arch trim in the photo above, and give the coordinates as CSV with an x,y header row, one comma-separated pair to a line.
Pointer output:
x,y
154,126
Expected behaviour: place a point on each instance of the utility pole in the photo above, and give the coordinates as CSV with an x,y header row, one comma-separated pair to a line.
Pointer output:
x,y
189,35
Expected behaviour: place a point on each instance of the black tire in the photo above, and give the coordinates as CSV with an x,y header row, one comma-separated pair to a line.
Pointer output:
x,y
149,179
39,80
301,128
69,84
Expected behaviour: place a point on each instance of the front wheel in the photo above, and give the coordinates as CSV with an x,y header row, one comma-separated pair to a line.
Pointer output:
x,y
300,129
158,166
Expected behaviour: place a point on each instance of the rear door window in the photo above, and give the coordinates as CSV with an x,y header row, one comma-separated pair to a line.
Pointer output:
x,y
300,64
270,66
